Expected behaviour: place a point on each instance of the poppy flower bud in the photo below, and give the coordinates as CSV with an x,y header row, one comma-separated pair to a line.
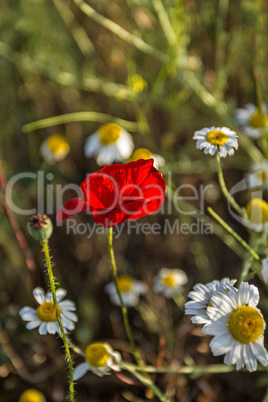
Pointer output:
x,y
40,227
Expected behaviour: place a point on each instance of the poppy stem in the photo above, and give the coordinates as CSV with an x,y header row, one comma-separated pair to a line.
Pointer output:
x,y
123,306
44,244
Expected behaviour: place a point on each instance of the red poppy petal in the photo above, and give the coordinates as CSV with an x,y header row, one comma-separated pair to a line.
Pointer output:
x,y
153,192
108,219
130,173
72,207
104,188
141,163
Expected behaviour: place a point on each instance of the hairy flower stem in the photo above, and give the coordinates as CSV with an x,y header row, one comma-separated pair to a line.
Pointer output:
x,y
44,244
228,196
123,306
144,378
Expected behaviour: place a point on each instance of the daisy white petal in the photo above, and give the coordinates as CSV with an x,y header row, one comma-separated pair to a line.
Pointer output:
x,y
52,327
264,271
240,360
27,313
107,155
80,370
43,328
201,297
233,355
68,324
28,316
251,294
27,310
249,358
67,305
33,324
214,327
39,295
92,145
71,316
221,345
261,353
60,294
125,145
218,299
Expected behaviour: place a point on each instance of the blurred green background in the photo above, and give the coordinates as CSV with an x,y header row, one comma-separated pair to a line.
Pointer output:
x,y
197,59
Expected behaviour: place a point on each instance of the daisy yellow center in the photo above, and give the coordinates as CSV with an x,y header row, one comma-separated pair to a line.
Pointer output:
x,y
46,312
141,153
97,354
256,120
262,175
246,324
124,283
109,133
217,137
32,395
58,144
257,211
169,281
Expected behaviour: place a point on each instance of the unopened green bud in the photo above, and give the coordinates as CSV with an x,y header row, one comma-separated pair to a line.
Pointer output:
x,y
40,227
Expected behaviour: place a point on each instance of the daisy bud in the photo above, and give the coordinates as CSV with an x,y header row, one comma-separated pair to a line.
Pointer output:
x,y
40,227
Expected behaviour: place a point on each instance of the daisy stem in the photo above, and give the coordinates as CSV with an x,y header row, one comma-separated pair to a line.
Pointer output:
x,y
235,235
44,244
146,381
195,371
123,306
228,196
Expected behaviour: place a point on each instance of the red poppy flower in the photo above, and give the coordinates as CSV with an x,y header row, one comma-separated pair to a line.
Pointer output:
x,y
118,193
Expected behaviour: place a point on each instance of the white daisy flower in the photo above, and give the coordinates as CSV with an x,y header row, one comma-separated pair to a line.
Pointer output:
x,y
100,359
170,281
55,148
143,153
216,139
32,395
201,296
110,143
129,288
44,316
237,327
257,212
258,176
250,119
264,272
